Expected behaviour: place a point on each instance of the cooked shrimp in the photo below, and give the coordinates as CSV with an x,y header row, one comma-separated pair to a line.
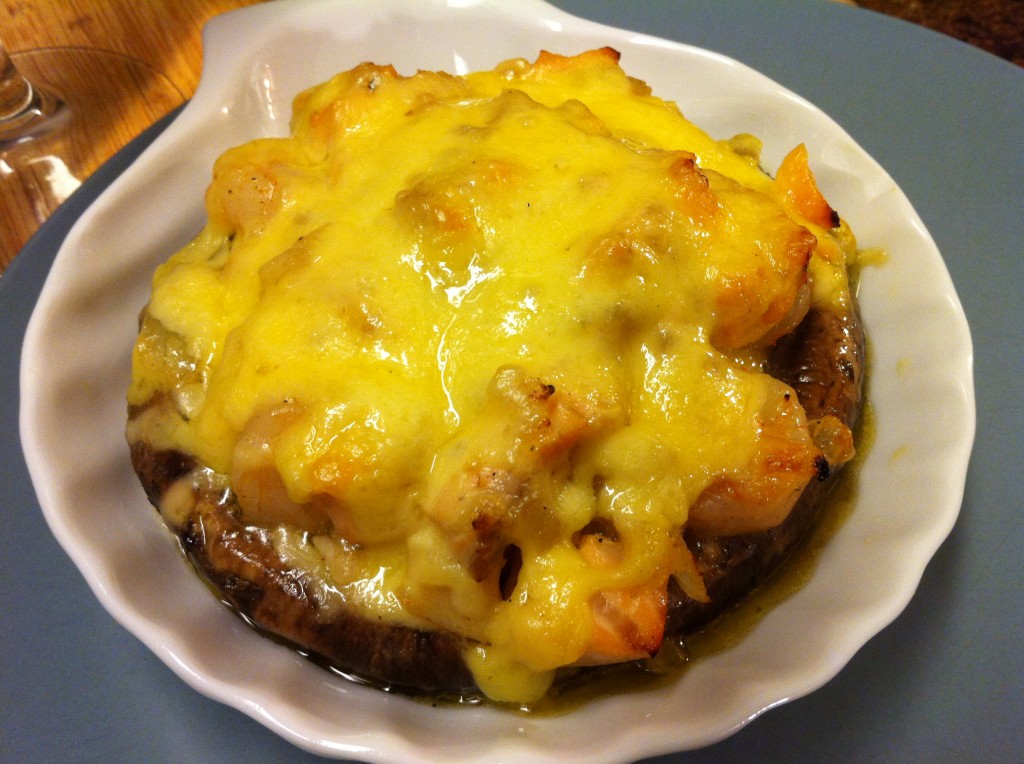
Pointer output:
x,y
484,476
248,190
629,622
757,289
800,191
761,495
261,492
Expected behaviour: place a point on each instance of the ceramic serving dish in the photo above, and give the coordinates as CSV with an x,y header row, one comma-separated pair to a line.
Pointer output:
x,y
76,360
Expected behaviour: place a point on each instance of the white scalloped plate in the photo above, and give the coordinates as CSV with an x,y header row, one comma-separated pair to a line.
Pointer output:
x,y
76,360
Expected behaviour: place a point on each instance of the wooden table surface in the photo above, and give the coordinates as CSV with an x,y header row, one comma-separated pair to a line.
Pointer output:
x,y
131,62
153,50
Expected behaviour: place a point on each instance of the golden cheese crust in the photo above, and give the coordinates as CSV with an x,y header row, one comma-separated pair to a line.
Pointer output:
x,y
475,381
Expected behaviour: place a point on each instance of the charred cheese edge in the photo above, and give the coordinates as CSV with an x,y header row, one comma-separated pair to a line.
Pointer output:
x,y
475,349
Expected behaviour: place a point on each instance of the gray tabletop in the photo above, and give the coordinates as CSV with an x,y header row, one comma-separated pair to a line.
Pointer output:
x,y
944,682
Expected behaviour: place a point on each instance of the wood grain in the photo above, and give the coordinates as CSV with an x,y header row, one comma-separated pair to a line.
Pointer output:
x,y
166,34
123,62
993,25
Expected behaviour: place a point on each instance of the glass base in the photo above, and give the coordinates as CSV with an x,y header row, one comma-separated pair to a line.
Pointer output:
x,y
43,112
86,105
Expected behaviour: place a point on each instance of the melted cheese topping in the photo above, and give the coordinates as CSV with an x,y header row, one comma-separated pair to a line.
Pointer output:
x,y
487,343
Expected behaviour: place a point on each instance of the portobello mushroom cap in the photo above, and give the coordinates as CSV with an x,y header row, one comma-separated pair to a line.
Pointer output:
x,y
822,360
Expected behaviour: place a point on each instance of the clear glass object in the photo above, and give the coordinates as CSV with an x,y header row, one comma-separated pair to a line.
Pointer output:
x,y
63,112
26,110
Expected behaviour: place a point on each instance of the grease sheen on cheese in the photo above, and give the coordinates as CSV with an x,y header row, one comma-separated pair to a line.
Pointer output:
x,y
452,325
